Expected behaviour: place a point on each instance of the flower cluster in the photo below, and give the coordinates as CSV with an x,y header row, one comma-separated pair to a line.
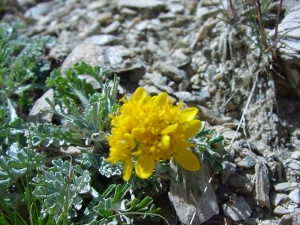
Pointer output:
x,y
151,129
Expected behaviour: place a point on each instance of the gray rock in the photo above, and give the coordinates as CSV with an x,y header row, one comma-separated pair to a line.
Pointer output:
x,y
102,39
199,100
165,88
204,30
244,164
295,196
206,12
183,85
142,26
210,73
68,41
82,53
236,180
286,186
228,170
169,70
286,220
249,186
65,150
226,132
288,46
187,203
36,116
128,12
117,58
185,96
179,59
195,79
103,17
209,116
176,8
294,165
142,4
279,210
93,29
68,38
152,90
111,28
38,10
277,198
295,155
238,210
96,5
249,221
262,185
156,78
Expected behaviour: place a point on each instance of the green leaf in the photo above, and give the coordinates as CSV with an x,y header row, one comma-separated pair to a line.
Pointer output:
x,y
104,213
144,203
118,194
108,190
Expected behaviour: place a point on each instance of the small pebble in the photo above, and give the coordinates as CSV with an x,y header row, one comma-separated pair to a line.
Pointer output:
x,y
286,186
279,210
295,196
294,166
295,155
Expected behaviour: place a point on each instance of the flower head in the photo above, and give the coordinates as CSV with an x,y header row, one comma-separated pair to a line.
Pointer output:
x,y
152,129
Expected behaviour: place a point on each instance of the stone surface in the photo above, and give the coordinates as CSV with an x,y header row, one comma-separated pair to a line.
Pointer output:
x,y
186,203
295,155
279,210
288,45
101,40
238,210
141,4
169,70
294,195
277,198
294,165
228,170
36,116
249,221
286,220
185,96
285,186
117,58
111,28
262,185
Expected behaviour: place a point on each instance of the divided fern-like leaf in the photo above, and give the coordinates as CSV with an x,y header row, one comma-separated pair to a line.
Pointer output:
x,y
50,134
211,144
60,188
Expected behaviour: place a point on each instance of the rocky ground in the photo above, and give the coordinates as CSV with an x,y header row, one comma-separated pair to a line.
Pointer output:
x,y
185,48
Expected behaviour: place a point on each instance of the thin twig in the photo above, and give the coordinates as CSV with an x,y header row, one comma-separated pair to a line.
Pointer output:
x,y
244,112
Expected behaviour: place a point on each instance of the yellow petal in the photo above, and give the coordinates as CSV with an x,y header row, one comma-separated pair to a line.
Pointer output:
x,y
189,113
192,129
127,169
160,100
187,160
138,134
144,166
170,128
129,141
145,100
139,94
165,140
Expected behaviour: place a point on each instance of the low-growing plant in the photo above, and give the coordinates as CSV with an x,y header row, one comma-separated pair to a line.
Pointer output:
x,y
66,172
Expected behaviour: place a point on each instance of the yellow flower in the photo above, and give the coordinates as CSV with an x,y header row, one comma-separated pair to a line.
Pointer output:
x,y
152,129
